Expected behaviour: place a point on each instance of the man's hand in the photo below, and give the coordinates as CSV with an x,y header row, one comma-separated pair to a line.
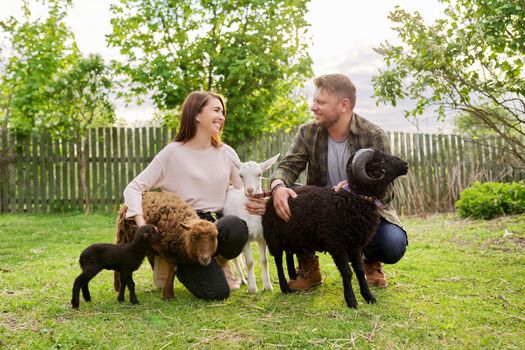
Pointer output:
x,y
340,185
256,206
280,202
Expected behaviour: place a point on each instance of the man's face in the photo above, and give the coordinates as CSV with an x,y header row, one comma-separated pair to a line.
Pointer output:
x,y
326,107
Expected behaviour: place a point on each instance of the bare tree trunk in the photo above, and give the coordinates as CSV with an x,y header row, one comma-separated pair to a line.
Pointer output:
x,y
82,167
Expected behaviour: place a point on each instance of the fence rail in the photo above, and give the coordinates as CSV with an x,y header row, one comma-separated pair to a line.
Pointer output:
x,y
39,174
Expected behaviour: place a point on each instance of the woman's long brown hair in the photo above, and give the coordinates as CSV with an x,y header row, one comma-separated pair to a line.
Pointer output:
x,y
193,105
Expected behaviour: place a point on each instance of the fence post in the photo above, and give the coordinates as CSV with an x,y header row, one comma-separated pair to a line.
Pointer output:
x,y
4,171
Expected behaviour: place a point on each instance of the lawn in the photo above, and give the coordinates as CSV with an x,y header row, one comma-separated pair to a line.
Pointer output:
x,y
461,284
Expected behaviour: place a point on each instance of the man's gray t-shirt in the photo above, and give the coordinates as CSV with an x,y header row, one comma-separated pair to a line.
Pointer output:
x,y
338,155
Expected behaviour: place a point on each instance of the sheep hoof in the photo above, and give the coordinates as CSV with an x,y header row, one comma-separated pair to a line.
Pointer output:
x,y
136,302
252,290
287,290
269,288
372,300
352,304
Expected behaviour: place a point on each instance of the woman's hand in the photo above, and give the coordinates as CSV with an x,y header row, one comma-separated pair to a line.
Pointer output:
x,y
139,220
256,206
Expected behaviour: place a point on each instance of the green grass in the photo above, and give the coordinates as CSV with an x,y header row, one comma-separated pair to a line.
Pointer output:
x,y
461,284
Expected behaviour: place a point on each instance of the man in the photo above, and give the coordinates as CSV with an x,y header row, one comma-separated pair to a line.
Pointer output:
x,y
325,145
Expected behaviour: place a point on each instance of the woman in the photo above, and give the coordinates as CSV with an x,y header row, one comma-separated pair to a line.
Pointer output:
x,y
197,166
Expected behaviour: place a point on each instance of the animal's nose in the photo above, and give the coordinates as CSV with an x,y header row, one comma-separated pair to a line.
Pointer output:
x,y
249,190
206,260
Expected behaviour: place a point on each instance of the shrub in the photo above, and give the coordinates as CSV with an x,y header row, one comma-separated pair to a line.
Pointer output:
x,y
490,199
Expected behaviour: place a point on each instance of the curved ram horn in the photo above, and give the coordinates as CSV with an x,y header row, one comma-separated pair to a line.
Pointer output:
x,y
361,158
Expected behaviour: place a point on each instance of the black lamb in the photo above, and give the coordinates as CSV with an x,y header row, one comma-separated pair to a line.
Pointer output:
x,y
340,223
124,258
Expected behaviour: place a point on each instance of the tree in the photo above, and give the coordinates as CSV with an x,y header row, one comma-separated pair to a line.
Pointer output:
x,y
48,86
469,124
469,62
81,99
254,52
40,50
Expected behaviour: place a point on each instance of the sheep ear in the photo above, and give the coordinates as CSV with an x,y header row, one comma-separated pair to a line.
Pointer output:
x,y
268,163
184,226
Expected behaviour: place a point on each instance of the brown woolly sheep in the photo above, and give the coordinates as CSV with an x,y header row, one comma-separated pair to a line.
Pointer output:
x,y
186,238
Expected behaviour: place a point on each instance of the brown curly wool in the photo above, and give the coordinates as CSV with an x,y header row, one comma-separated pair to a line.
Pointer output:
x,y
186,238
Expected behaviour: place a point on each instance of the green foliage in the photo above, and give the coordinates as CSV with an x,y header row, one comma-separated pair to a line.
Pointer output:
x,y
39,52
469,62
469,124
79,99
490,199
433,300
254,52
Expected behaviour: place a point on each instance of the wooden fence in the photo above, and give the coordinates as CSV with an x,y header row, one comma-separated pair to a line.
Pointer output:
x,y
38,174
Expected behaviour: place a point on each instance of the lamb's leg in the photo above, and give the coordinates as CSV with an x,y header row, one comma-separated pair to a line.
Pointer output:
x,y
131,287
250,274
278,257
357,265
85,292
167,290
238,268
124,278
341,261
290,265
82,282
116,281
75,299
151,260
267,284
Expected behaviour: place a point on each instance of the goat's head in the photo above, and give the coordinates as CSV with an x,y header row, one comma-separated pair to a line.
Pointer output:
x,y
201,242
371,171
251,172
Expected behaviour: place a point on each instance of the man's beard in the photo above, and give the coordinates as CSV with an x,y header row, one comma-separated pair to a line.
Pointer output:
x,y
326,123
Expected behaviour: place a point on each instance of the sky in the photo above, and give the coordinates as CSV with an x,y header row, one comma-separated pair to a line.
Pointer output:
x,y
344,33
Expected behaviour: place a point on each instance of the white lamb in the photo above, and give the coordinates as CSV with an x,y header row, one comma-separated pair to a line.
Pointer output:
x,y
236,200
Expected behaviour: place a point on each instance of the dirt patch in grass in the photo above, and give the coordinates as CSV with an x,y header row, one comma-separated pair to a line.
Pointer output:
x,y
14,324
507,244
224,336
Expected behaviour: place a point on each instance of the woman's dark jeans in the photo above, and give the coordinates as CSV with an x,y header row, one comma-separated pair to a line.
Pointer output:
x,y
209,282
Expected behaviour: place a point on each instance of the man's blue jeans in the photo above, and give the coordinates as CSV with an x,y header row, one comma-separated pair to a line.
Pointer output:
x,y
388,244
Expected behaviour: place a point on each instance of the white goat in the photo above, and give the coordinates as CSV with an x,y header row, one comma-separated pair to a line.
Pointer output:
x,y
236,200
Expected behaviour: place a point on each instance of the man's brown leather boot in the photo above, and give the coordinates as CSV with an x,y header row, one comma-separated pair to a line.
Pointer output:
x,y
374,274
308,274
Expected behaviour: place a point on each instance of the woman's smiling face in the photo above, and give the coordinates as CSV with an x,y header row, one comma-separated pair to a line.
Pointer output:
x,y
211,117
